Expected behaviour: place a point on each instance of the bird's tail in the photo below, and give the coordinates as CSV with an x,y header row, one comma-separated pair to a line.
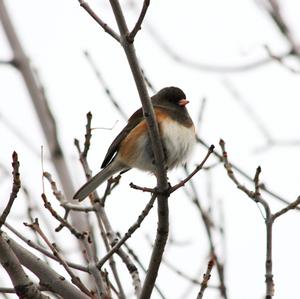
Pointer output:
x,y
97,180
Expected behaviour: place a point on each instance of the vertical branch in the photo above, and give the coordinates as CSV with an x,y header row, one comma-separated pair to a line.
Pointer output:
x,y
15,189
269,217
107,233
206,278
208,224
269,264
162,181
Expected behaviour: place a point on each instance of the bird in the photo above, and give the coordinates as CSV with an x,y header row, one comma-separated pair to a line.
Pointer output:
x,y
132,146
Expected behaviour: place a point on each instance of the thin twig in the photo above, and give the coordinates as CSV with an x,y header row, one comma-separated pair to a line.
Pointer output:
x,y
105,86
129,233
244,174
179,272
62,221
75,279
107,233
10,124
206,278
209,224
42,249
201,112
203,66
181,183
275,12
137,259
15,188
139,22
88,135
148,82
269,217
291,206
104,26
198,168
249,111
100,283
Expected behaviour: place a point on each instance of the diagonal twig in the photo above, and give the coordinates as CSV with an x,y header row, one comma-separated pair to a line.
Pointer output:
x,y
199,167
75,279
104,26
105,86
62,221
244,174
181,183
42,250
137,27
129,233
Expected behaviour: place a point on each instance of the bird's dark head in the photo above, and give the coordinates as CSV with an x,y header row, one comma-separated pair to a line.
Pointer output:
x,y
170,96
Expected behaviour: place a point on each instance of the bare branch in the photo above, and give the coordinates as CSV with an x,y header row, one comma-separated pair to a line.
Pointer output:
x,y
203,66
244,174
10,125
63,202
206,278
129,233
139,22
249,111
180,184
42,109
15,188
75,279
281,60
42,249
24,287
137,259
276,14
179,272
104,26
144,189
105,85
148,82
201,112
209,224
46,274
62,221
107,233
88,134
199,167
269,217
291,206
101,284
157,149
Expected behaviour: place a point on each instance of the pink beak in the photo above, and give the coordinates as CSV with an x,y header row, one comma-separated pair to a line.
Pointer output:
x,y
183,102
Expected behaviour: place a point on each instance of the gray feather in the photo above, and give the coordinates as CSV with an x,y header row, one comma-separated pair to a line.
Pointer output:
x,y
97,180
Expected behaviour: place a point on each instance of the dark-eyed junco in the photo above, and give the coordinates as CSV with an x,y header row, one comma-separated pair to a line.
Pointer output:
x,y
132,147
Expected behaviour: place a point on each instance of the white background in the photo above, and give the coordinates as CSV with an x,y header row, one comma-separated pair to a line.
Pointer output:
x,y
55,34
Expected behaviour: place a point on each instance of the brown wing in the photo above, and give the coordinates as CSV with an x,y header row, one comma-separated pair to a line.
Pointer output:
x,y
133,121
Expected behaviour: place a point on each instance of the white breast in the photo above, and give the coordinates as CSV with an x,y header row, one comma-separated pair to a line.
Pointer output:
x,y
178,141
